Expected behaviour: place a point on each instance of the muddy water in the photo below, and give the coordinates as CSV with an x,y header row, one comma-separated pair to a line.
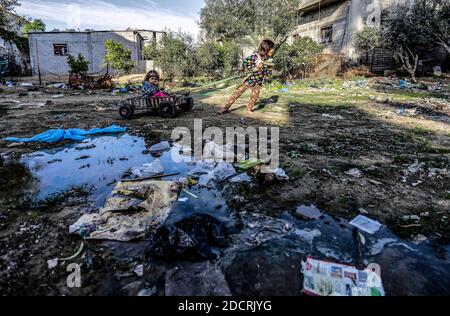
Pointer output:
x,y
98,163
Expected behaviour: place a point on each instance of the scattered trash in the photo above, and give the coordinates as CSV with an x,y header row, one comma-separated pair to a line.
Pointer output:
x,y
56,135
279,173
323,278
419,239
90,83
283,90
308,235
160,147
363,211
183,200
53,263
58,96
133,209
308,212
26,84
415,167
148,292
366,224
379,246
207,172
334,117
59,85
190,194
213,152
244,177
437,71
356,173
249,164
199,236
411,218
139,270
77,253
150,169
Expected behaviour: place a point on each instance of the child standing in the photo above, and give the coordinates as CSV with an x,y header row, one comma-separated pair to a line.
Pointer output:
x,y
259,66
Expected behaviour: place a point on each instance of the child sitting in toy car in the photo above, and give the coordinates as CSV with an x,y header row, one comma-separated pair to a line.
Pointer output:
x,y
151,85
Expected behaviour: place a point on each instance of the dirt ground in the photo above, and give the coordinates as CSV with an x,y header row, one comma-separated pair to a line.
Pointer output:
x,y
399,140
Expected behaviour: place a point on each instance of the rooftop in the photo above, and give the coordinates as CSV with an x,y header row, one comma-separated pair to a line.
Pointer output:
x,y
94,31
310,5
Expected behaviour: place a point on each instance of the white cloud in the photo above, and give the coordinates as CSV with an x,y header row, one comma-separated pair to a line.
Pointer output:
x,y
100,15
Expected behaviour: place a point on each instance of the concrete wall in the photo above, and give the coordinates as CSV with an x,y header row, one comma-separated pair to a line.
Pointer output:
x,y
346,17
89,44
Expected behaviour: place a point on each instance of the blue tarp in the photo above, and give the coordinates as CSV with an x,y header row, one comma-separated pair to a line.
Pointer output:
x,y
56,135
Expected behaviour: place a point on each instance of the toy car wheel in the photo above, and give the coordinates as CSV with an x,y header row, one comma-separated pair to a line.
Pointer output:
x,y
126,112
167,109
187,105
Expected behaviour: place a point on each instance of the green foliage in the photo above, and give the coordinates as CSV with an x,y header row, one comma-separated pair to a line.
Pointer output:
x,y
367,39
176,55
78,65
219,59
150,52
35,25
236,19
298,56
405,31
119,57
7,13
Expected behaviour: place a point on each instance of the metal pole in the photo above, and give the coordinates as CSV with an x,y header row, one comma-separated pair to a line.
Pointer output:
x,y
38,63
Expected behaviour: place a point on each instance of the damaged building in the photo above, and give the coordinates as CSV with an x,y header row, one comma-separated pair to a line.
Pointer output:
x,y
333,24
49,50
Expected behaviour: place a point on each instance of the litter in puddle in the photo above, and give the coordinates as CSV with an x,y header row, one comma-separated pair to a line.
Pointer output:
x,y
132,210
323,278
366,224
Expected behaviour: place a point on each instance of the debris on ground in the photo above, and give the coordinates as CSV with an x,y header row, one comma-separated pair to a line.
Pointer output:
x,y
199,236
214,152
322,278
308,212
160,147
356,173
132,210
90,83
366,224
206,172
333,117
243,177
149,169
57,135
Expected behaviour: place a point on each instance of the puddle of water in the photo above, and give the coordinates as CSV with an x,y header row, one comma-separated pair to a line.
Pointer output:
x,y
96,163
104,160
100,162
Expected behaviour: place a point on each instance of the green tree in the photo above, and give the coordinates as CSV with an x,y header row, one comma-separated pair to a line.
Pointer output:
x,y
34,25
368,39
253,20
150,51
406,32
7,12
177,56
78,65
434,19
300,56
119,57
211,58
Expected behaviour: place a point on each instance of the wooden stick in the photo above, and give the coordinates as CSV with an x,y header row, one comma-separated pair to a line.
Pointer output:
x,y
152,178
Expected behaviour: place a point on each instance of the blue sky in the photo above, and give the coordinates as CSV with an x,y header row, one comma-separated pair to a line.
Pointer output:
x,y
115,14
